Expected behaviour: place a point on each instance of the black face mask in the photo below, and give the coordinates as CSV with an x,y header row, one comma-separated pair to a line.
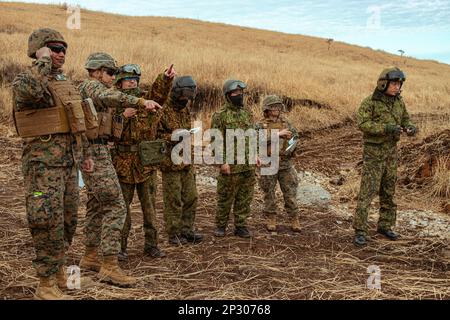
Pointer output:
x,y
181,104
238,100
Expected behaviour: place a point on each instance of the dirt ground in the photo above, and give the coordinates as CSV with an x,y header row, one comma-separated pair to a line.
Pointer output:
x,y
321,262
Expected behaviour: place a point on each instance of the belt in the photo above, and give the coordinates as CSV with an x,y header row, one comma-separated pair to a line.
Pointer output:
x,y
127,148
98,141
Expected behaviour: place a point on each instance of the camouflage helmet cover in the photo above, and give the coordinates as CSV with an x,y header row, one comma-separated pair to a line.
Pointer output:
x,y
231,85
40,37
99,60
387,75
272,102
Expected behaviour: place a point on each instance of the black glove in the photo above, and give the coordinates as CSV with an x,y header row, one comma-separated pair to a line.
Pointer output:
x,y
392,129
411,130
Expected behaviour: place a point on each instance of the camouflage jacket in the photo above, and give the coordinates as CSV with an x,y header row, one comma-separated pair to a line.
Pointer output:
x,y
30,91
171,120
231,117
104,97
378,110
280,124
143,126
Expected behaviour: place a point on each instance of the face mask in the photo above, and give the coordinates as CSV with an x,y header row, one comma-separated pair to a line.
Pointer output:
x,y
238,100
181,104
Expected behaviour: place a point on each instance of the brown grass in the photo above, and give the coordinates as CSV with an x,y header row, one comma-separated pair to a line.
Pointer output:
x,y
299,67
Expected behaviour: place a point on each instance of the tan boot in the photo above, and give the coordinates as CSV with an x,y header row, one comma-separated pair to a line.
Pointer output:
x,y
271,222
295,224
61,279
48,290
111,272
91,260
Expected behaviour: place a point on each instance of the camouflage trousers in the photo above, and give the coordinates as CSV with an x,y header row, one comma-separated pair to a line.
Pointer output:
x,y
180,200
52,197
379,175
147,197
105,209
288,183
234,191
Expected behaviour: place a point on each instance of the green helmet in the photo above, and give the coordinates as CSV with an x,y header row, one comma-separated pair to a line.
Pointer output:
x,y
272,102
184,86
231,85
387,75
99,60
39,38
128,71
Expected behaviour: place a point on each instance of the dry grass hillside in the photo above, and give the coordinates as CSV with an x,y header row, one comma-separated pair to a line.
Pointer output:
x,y
323,86
302,68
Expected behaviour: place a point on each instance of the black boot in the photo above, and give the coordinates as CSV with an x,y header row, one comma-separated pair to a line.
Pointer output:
x,y
177,240
192,236
360,240
242,232
389,234
154,252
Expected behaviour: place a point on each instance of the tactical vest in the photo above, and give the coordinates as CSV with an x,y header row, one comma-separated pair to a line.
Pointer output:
x,y
66,115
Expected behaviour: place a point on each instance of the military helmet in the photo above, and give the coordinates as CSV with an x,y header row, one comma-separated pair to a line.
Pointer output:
x,y
184,86
272,102
40,37
388,75
128,71
99,60
231,85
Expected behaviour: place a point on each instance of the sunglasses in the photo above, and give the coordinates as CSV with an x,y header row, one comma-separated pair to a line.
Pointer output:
x,y
110,71
130,68
57,49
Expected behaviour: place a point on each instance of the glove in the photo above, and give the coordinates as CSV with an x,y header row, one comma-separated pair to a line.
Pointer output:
x,y
411,130
392,129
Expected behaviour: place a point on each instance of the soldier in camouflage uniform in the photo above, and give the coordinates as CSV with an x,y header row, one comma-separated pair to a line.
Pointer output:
x,y
139,125
272,107
49,161
178,180
236,182
105,210
382,117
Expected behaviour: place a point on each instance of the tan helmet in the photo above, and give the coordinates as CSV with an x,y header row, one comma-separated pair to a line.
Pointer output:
x,y
272,102
99,60
40,37
387,75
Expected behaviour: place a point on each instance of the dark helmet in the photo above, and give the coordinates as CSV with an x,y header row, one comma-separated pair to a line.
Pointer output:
x,y
128,71
388,75
272,102
184,86
231,85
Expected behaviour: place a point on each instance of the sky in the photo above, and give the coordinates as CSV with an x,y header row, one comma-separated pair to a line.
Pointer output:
x,y
420,28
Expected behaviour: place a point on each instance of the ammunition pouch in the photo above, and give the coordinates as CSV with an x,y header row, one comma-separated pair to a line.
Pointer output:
x,y
117,126
91,119
105,123
152,152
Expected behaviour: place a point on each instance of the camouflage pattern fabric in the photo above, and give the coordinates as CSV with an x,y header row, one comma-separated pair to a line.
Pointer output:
x,y
105,209
180,200
234,191
232,117
50,173
379,172
146,193
288,180
143,126
178,181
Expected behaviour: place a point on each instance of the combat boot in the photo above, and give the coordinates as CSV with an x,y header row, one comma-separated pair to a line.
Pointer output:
x,y
91,260
48,290
112,273
271,222
61,280
295,224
